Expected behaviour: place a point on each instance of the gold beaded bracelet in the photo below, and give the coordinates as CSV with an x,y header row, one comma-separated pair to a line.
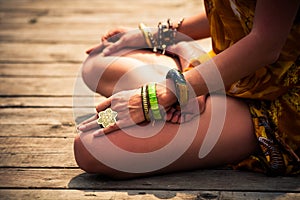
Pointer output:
x,y
147,35
145,104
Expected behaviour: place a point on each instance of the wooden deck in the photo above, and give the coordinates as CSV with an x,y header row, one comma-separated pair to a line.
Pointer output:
x,y
42,46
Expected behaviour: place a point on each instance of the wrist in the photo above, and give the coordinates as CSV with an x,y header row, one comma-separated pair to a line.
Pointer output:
x,y
181,88
166,93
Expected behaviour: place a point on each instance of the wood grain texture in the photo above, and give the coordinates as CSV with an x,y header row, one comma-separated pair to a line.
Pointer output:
x,y
42,47
38,86
223,180
40,70
141,195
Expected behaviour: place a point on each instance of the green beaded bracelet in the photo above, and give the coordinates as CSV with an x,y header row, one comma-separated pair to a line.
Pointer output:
x,y
181,88
153,101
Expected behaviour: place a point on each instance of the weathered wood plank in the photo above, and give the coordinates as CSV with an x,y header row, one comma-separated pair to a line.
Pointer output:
x,y
96,12
37,137
48,102
43,116
37,102
83,22
203,180
41,53
36,152
140,195
40,70
123,17
41,122
38,130
29,116
86,194
55,34
93,4
38,86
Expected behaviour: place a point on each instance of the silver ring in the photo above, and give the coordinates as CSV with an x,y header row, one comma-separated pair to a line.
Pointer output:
x,y
107,117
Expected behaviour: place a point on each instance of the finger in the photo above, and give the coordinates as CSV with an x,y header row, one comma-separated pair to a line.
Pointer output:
x,y
169,114
103,105
181,117
90,50
94,117
113,48
98,132
108,35
97,48
176,117
88,126
107,130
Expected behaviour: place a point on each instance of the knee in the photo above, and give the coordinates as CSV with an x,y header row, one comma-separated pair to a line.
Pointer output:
x,y
83,158
90,73
91,165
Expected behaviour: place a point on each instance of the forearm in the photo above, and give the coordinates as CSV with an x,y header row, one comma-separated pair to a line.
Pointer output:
x,y
236,62
272,24
243,58
195,27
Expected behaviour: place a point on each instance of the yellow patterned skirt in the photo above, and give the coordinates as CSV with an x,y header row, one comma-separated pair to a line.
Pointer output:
x,y
277,128
272,92
276,121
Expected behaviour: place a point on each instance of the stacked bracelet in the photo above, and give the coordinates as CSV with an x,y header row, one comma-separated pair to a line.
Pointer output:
x,y
145,104
154,107
147,35
165,35
181,88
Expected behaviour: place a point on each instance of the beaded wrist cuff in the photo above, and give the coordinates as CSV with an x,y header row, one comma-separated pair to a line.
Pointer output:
x,y
181,88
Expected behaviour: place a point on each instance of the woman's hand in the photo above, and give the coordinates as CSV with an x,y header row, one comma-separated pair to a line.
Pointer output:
x,y
128,105
109,38
119,38
179,115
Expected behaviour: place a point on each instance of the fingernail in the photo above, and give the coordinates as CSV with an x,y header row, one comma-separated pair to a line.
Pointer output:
x,y
105,52
81,127
89,50
98,133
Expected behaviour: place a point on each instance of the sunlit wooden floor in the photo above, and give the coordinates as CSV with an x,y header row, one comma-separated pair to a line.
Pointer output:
x,y
42,46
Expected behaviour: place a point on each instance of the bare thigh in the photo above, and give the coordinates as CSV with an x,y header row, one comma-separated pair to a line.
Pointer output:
x,y
125,70
167,147
162,147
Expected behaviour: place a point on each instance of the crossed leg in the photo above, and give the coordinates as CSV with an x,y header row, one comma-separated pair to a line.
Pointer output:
x,y
115,155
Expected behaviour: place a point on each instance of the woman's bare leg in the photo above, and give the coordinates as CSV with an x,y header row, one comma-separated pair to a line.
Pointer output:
x,y
235,143
106,75
237,140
